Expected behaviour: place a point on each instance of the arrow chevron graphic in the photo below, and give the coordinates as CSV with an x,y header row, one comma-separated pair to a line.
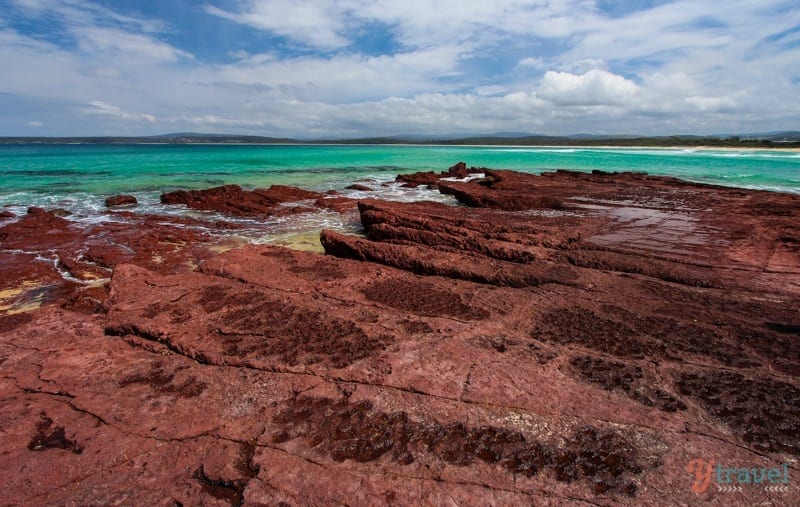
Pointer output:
x,y
777,488
729,489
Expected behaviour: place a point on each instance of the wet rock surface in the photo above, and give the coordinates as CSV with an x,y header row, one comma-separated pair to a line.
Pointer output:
x,y
120,200
235,201
433,179
559,339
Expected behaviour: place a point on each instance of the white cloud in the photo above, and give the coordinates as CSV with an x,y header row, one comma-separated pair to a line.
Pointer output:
x,y
594,88
100,108
491,90
216,121
341,78
84,13
34,124
535,62
317,23
414,23
712,104
115,42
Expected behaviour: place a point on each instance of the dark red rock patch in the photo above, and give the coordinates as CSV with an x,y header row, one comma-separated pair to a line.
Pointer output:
x,y
639,336
630,379
163,382
13,321
323,269
602,458
231,491
763,411
295,335
52,437
421,298
777,344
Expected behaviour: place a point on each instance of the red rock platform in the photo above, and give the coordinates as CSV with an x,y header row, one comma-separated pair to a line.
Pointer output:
x,y
564,339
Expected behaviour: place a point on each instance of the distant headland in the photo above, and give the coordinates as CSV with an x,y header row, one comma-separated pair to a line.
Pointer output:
x,y
770,140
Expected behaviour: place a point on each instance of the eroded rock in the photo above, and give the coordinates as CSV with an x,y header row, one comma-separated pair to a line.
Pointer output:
x,y
504,352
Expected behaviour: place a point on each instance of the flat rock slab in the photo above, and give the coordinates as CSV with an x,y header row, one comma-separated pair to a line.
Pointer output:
x,y
484,355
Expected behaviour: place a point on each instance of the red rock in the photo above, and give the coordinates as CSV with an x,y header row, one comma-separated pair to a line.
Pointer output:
x,y
283,193
233,200
48,258
479,355
429,178
6,214
36,229
503,190
460,171
432,179
343,205
121,200
358,186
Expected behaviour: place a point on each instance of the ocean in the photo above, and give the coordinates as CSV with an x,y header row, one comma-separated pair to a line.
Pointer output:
x,y
78,178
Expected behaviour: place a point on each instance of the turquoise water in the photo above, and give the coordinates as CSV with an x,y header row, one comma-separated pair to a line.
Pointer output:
x,y
79,177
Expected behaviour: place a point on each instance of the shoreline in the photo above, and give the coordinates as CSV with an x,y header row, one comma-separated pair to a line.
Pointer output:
x,y
793,149
146,172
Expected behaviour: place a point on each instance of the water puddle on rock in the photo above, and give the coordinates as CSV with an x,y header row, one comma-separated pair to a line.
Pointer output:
x,y
658,230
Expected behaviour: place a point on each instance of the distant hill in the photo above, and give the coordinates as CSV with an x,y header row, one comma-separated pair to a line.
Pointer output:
x,y
177,138
779,136
194,138
763,140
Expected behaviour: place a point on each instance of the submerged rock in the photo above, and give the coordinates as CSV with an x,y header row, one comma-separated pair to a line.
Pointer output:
x,y
120,200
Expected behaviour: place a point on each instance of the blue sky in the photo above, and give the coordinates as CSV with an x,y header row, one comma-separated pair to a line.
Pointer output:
x,y
347,68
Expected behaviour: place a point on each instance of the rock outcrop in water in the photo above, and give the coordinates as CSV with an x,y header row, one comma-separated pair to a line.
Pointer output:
x,y
582,339
120,200
432,179
235,201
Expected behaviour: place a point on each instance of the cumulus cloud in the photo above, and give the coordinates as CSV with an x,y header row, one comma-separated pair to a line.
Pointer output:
x,y
594,88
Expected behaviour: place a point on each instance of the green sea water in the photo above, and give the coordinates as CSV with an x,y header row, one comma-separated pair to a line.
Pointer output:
x,y
79,177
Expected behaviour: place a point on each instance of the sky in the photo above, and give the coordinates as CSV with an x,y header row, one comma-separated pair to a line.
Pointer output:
x,y
359,68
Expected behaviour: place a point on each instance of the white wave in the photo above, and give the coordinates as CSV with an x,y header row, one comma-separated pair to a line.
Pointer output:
x,y
466,179
541,150
65,274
